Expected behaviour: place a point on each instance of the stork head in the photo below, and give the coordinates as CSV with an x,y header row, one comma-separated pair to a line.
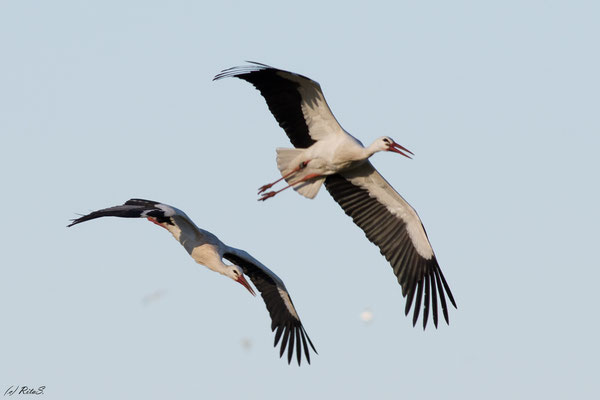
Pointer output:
x,y
386,143
236,273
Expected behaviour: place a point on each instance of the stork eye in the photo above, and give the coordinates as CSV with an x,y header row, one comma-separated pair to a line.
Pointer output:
x,y
386,141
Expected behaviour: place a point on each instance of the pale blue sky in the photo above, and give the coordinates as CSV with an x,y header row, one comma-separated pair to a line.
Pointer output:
x,y
104,101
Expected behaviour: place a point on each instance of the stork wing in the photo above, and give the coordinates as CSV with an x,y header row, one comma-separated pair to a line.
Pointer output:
x,y
296,102
134,208
284,317
172,219
393,225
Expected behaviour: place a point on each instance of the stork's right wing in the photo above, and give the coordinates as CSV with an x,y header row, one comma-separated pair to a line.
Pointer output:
x,y
394,226
134,208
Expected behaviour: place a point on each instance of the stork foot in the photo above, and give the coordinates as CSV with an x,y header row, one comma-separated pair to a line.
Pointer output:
x,y
265,187
267,196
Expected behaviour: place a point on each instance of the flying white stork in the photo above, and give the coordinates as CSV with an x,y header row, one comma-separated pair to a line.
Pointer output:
x,y
325,152
206,249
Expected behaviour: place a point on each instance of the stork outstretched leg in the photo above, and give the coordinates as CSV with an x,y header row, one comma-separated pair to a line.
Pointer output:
x,y
271,194
302,165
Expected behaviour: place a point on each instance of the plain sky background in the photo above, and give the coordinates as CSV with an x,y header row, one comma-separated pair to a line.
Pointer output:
x,y
104,101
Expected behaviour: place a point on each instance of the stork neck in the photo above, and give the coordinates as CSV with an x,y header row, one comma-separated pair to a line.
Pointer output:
x,y
210,259
218,266
372,149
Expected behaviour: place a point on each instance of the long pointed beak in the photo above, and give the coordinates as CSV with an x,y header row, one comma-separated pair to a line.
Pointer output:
x,y
396,148
241,280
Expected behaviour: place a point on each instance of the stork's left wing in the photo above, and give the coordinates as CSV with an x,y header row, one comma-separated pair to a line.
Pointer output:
x,y
394,226
283,314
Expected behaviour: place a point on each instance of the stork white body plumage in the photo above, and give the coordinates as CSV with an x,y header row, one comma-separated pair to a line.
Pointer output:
x,y
326,153
306,169
206,249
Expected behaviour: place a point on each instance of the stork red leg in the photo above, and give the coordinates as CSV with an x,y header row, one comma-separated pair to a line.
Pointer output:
x,y
271,194
302,165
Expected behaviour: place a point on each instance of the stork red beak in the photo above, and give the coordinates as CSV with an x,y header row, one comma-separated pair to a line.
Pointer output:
x,y
241,280
396,148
